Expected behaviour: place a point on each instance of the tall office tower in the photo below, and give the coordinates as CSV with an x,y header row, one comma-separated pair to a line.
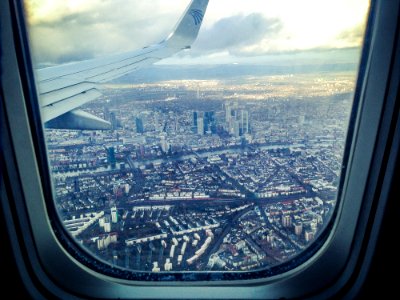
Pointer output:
x,y
228,113
111,157
206,121
113,120
209,122
139,125
194,125
106,113
200,124
236,127
244,122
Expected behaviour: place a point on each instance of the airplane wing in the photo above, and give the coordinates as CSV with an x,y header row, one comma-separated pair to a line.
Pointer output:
x,y
64,88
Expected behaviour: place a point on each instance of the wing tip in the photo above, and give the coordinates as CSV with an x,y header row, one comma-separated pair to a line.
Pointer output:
x,y
189,25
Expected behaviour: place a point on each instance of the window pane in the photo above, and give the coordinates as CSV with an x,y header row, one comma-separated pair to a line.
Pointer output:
x,y
223,157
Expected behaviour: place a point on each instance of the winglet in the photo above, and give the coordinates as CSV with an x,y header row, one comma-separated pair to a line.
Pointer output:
x,y
188,27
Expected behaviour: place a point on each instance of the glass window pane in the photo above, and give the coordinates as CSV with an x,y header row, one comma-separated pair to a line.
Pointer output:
x,y
222,157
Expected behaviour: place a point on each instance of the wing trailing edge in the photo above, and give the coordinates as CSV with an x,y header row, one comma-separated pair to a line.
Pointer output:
x,y
64,88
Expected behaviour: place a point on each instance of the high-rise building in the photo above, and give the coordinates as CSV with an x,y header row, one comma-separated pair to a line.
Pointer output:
x,y
228,111
298,228
244,122
204,122
113,120
209,122
111,157
106,113
107,224
200,124
114,214
194,126
236,127
309,235
236,120
286,220
139,125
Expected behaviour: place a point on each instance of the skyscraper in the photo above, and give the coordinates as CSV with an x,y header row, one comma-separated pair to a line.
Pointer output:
x,y
113,120
106,113
236,127
111,157
200,124
244,122
236,120
139,125
228,113
194,126
204,122
209,122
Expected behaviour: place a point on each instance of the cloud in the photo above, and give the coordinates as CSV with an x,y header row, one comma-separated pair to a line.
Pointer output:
x,y
352,36
236,34
62,34
63,31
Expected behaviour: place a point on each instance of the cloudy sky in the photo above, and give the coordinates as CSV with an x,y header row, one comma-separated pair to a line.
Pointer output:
x,y
233,31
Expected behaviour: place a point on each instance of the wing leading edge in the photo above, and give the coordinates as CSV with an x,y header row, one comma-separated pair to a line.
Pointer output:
x,y
63,89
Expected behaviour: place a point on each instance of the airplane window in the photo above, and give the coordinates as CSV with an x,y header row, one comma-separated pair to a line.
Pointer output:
x,y
215,151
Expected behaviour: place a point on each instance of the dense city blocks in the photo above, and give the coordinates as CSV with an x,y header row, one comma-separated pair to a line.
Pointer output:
x,y
234,174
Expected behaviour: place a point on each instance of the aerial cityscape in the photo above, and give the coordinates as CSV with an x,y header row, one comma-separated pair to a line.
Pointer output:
x,y
237,173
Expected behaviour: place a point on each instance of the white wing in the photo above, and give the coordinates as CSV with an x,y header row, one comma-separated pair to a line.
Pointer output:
x,y
66,87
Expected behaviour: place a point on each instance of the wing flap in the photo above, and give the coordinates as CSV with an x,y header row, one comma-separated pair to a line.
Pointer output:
x,y
64,88
56,109
78,119
56,84
66,92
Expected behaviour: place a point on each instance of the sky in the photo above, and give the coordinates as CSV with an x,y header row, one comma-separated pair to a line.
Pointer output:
x,y
233,31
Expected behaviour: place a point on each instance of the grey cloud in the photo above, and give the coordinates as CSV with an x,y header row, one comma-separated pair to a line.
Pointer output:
x,y
112,26
236,32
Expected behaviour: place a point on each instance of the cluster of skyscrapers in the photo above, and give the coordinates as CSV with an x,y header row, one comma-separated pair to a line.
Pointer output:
x,y
236,119
204,122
